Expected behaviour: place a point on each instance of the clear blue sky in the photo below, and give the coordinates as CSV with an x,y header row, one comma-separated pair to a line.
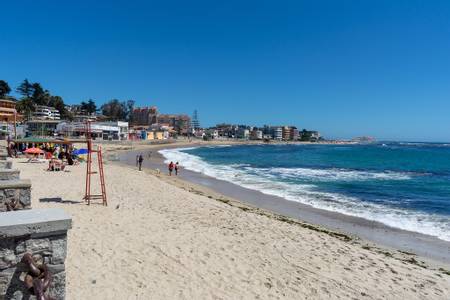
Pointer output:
x,y
346,68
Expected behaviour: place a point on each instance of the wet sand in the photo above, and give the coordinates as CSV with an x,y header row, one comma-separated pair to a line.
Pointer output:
x,y
431,249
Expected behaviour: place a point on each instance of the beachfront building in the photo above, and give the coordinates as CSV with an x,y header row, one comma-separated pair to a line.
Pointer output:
x,y
243,133
8,112
315,135
8,118
144,133
267,137
144,116
41,127
211,133
179,123
100,130
294,134
256,134
122,126
226,130
157,135
277,133
286,133
46,113
309,135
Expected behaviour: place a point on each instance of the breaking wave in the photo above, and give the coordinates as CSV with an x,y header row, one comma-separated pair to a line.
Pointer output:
x,y
270,181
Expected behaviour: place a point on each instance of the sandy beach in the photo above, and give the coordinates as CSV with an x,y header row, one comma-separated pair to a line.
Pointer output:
x,y
164,238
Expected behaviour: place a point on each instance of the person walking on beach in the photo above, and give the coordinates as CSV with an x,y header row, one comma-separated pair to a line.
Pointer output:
x,y
176,169
137,160
140,160
171,168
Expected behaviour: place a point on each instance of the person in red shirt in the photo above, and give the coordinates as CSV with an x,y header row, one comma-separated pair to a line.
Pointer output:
x,y
171,165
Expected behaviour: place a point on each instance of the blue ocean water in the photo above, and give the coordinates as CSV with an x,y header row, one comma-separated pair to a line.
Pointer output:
x,y
404,185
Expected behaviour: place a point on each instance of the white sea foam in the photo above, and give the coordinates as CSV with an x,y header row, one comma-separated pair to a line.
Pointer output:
x,y
265,181
338,174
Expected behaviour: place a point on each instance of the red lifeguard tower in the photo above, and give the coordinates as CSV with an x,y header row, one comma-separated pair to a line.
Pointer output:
x,y
89,172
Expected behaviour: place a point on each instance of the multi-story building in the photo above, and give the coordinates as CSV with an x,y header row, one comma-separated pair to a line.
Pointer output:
x,y
243,133
294,134
277,133
180,123
256,134
46,113
8,118
8,112
144,116
286,133
309,135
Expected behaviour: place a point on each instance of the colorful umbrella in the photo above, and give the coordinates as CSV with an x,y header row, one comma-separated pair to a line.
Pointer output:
x,y
34,151
80,151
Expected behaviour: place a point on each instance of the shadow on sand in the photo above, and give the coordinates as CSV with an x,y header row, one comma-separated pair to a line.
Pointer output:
x,y
59,200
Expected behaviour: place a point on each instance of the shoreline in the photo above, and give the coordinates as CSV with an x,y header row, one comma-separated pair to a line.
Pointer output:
x,y
164,237
370,234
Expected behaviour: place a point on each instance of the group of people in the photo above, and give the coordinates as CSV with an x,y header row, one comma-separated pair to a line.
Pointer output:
x,y
172,166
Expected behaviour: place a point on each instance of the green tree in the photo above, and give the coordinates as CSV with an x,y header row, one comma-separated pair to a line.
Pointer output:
x,y
39,95
25,106
58,103
90,107
114,110
34,94
25,89
4,88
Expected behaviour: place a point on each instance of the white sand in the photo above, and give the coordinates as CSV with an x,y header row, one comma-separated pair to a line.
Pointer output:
x,y
163,242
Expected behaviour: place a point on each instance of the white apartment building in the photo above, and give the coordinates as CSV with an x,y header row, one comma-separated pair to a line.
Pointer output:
x,y
100,130
46,113
278,133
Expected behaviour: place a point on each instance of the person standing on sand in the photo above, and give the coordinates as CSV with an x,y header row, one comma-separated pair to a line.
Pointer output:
x,y
176,169
171,168
140,160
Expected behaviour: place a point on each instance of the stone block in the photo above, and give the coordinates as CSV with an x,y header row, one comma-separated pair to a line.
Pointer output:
x,y
41,232
7,258
38,245
9,174
16,193
59,250
6,164
58,290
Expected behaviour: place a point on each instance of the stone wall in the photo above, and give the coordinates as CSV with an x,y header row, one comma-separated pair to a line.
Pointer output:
x,y
15,194
40,232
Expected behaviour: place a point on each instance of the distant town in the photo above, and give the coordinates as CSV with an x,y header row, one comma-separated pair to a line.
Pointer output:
x,y
38,113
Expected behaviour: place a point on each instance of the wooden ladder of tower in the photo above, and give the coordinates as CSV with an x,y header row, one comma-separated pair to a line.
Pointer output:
x,y
89,172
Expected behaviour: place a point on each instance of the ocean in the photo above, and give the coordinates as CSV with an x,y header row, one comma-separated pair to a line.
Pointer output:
x,y
403,185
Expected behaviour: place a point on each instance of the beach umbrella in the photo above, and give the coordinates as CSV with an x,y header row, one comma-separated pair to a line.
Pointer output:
x,y
80,151
34,151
